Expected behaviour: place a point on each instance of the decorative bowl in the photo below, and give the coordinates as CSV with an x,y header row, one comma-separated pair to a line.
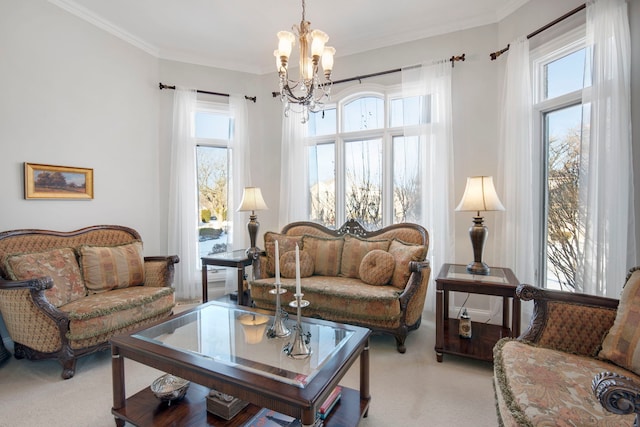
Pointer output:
x,y
169,388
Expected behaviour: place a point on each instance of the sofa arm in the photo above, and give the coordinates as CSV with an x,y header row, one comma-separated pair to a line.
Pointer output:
x,y
568,321
29,317
413,296
259,266
617,394
159,270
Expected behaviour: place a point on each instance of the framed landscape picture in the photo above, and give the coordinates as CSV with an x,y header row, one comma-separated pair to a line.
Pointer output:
x,y
57,182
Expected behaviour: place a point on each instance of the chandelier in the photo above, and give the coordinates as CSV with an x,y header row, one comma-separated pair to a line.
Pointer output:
x,y
310,91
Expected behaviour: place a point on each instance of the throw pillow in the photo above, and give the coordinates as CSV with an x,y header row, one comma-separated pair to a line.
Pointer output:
x,y
59,264
377,267
326,253
621,345
288,264
286,243
403,254
112,267
354,250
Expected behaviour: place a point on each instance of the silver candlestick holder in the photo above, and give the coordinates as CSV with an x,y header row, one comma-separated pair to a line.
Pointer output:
x,y
299,347
278,329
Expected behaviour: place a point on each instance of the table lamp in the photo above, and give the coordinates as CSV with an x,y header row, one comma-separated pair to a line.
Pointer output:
x,y
479,195
252,201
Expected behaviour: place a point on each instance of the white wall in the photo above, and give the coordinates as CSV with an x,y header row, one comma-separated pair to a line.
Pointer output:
x,y
74,95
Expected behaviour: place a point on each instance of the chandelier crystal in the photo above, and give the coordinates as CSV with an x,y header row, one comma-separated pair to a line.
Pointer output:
x,y
310,91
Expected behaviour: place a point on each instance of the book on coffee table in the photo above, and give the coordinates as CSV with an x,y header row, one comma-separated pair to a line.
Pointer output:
x,y
327,405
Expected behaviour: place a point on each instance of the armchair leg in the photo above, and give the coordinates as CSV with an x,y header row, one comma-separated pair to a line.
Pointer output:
x,y
68,368
400,343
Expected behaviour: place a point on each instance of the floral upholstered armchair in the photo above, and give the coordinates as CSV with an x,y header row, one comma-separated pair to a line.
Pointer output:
x,y
578,363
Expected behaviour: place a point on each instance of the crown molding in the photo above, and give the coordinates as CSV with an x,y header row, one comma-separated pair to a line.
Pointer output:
x,y
509,8
88,16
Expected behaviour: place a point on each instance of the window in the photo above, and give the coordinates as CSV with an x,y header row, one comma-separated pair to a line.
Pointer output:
x,y
562,114
361,165
213,157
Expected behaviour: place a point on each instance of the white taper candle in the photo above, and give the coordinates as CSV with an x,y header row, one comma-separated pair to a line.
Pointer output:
x,y
298,290
277,263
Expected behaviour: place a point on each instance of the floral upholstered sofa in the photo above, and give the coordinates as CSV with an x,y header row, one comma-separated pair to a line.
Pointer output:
x,y
65,294
576,365
376,279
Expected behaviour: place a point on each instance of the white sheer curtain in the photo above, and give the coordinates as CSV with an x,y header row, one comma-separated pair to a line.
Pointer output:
x,y
239,177
606,198
434,81
519,165
294,167
182,234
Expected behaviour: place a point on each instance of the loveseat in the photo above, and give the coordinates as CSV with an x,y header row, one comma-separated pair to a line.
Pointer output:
x,y
65,294
376,279
576,365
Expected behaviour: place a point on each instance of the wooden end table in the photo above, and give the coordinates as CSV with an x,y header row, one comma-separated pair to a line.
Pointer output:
x,y
237,259
500,282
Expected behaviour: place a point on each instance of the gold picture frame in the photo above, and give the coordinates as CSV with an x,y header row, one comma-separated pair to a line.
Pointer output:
x,y
57,182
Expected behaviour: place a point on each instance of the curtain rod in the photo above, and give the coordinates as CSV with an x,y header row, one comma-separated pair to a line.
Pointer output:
x,y
453,60
495,55
164,86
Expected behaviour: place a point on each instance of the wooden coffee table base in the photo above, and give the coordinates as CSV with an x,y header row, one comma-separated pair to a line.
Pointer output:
x,y
144,409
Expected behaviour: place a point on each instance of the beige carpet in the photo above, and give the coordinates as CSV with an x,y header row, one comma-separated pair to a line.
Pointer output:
x,y
409,389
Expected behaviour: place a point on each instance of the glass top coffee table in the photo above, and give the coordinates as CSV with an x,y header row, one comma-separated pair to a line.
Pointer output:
x,y
223,347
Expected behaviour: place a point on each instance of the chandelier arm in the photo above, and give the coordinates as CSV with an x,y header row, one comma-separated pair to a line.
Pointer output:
x,y
298,99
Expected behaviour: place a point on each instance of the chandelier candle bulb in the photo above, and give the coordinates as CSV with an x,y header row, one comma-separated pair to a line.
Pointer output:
x,y
286,40
318,39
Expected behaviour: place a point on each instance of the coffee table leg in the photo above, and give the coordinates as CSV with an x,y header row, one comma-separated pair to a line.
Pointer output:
x,y
364,375
117,378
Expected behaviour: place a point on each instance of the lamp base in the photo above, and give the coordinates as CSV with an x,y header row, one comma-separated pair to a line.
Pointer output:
x,y
478,268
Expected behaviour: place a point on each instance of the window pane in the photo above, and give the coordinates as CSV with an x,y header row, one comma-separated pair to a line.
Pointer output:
x,y
323,122
322,184
407,205
565,75
363,176
362,114
213,166
211,125
563,139
409,111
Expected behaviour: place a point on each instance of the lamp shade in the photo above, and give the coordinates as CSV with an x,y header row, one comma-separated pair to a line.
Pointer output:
x,y
480,195
252,200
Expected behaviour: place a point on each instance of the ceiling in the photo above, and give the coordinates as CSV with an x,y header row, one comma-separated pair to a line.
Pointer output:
x,y
240,35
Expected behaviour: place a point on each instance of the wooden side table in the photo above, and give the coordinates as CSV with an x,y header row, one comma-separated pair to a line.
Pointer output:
x,y
237,259
500,282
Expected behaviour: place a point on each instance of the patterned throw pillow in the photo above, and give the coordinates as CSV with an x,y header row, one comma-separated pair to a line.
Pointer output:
x,y
354,250
403,253
621,345
288,264
285,244
59,264
112,267
326,253
377,267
